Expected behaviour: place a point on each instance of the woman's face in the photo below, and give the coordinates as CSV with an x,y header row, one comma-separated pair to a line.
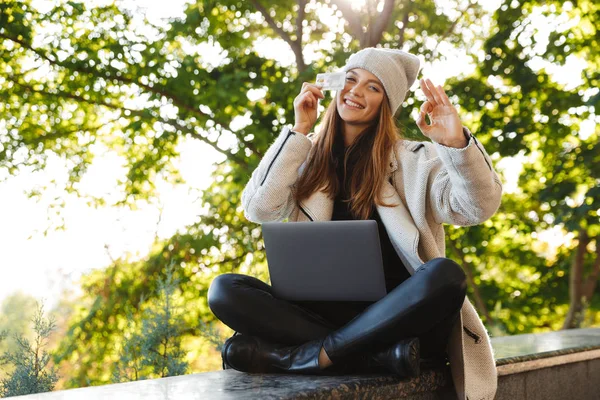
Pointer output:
x,y
359,101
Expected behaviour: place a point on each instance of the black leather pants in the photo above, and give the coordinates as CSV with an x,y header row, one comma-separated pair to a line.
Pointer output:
x,y
426,305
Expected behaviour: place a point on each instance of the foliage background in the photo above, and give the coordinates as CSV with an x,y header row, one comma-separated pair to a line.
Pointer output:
x,y
85,77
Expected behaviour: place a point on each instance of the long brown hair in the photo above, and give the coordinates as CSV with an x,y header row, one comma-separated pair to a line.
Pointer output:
x,y
373,147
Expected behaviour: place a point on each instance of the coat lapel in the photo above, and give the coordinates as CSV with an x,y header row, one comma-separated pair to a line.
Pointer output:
x,y
400,227
318,206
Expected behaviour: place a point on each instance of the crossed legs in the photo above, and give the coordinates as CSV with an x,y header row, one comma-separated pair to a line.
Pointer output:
x,y
426,306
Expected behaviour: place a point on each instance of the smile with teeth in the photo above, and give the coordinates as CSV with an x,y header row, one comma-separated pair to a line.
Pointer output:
x,y
353,104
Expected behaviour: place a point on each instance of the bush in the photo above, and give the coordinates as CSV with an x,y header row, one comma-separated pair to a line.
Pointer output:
x,y
155,350
31,373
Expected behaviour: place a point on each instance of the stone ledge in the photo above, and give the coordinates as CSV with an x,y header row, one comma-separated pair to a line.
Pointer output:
x,y
230,384
575,380
535,346
553,365
547,362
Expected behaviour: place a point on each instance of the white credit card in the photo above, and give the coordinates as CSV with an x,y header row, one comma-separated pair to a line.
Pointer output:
x,y
331,81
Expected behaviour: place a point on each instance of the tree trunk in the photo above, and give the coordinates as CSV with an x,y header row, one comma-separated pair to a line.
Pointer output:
x,y
468,268
592,280
295,45
377,23
576,307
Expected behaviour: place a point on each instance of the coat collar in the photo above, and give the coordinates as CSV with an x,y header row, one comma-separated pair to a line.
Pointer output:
x,y
399,148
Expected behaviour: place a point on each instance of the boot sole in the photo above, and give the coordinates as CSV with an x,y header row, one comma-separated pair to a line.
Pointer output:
x,y
412,358
404,362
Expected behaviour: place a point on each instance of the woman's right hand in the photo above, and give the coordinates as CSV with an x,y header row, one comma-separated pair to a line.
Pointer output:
x,y
305,107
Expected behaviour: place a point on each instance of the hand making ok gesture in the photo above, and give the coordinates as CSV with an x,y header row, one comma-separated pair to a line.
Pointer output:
x,y
446,128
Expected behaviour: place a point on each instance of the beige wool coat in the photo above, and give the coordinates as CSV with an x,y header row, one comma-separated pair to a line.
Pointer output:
x,y
432,185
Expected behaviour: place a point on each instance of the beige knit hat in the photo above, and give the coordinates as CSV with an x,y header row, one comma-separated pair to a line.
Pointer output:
x,y
396,69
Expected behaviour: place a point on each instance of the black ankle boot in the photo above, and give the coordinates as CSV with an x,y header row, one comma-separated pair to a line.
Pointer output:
x,y
402,358
225,365
252,354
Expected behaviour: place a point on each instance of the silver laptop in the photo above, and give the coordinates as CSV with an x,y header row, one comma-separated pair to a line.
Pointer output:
x,y
325,260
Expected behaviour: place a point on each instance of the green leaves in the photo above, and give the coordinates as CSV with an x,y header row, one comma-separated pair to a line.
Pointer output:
x,y
523,110
98,80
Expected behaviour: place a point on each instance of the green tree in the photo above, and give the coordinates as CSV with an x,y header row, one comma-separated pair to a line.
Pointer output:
x,y
31,370
101,81
97,68
522,111
155,350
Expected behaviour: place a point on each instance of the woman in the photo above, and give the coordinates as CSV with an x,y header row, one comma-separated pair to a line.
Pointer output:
x,y
358,167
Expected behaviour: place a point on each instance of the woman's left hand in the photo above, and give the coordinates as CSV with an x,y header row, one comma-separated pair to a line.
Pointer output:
x,y
446,128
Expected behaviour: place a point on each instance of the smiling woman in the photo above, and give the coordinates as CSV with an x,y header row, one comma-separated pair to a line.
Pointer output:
x,y
362,118
358,166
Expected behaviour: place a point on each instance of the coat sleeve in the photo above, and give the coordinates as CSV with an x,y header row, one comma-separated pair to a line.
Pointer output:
x,y
465,190
268,195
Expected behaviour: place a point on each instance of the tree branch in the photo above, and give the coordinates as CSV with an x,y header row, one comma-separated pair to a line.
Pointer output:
x,y
295,45
107,251
232,156
451,28
123,79
161,209
352,18
299,20
265,13
404,25
43,135
71,96
381,22
233,259
297,48
25,45
142,114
